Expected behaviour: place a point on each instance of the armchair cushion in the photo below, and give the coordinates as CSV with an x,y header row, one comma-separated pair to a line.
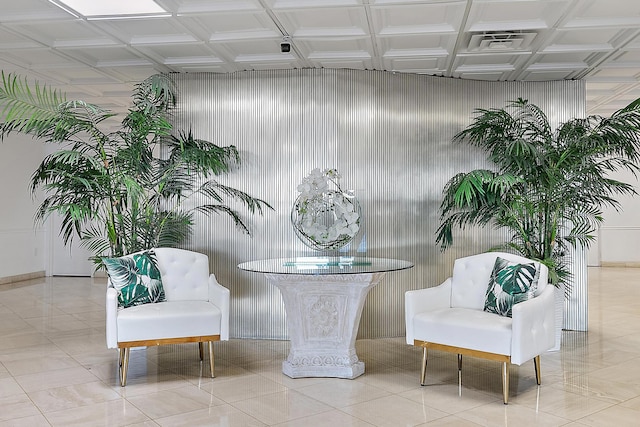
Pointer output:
x,y
510,283
136,277
464,328
166,320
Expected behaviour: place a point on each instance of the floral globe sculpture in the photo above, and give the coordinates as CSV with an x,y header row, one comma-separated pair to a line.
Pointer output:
x,y
324,216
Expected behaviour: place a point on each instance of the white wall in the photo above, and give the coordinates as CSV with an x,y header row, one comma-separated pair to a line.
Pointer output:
x,y
22,244
619,235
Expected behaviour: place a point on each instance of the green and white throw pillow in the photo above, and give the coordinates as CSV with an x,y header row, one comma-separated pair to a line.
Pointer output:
x,y
136,278
510,283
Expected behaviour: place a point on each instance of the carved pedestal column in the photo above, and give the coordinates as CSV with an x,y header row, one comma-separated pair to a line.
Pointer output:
x,y
323,315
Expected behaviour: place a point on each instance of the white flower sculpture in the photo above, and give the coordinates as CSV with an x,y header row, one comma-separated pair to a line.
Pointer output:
x,y
324,216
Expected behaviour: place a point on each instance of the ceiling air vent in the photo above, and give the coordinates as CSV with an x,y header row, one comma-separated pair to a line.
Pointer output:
x,y
498,41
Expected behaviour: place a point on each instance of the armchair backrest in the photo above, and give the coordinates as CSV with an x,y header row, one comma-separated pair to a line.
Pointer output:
x,y
471,278
185,274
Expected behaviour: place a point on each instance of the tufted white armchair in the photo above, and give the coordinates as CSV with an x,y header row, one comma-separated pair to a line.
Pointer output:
x,y
450,318
196,310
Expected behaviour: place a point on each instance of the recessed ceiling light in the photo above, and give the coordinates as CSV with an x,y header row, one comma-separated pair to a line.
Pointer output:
x,y
113,8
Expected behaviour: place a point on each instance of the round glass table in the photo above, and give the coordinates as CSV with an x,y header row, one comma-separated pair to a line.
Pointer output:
x,y
323,298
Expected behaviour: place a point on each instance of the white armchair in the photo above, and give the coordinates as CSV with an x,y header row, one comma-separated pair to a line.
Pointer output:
x,y
196,310
450,317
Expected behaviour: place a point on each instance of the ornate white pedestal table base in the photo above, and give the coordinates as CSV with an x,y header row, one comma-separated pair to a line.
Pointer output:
x,y
323,299
323,315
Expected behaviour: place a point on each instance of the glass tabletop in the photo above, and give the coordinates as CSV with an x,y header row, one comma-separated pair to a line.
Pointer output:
x,y
325,265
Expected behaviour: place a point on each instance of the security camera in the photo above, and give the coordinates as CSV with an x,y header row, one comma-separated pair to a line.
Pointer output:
x,y
285,45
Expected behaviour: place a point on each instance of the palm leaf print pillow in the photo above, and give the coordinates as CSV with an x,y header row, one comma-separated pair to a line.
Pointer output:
x,y
136,278
510,283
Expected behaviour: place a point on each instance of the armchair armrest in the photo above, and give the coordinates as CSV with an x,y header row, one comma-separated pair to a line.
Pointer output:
x,y
219,295
427,299
112,317
533,326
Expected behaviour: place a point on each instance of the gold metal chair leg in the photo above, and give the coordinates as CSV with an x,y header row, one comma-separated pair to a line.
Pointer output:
x,y
536,364
505,382
423,374
123,365
211,359
201,350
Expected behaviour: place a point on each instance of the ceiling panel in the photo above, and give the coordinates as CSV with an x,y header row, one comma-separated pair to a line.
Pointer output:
x,y
597,40
324,22
418,18
63,33
221,27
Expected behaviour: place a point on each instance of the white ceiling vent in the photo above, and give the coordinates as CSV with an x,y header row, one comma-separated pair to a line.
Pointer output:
x,y
494,41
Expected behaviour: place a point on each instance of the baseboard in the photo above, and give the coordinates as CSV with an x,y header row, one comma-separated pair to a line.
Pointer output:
x,y
21,277
631,264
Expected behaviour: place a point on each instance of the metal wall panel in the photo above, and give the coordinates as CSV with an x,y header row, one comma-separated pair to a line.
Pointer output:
x,y
389,136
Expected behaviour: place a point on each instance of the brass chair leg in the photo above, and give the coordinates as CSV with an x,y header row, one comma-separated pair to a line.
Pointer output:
x,y
423,374
123,365
211,363
201,350
536,364
505,382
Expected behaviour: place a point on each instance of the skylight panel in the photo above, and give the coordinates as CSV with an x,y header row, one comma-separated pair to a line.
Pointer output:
x,y
112,8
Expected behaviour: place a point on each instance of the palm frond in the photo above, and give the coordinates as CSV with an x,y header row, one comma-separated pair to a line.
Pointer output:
x,y
25,110
220,192
218,209
550,185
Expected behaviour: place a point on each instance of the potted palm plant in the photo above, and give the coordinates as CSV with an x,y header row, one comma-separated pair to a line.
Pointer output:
x,y
125,190
549,186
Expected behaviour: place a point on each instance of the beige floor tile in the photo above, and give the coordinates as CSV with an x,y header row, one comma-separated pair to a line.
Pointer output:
x,y
73,396
333,418
151,383
274,373
110,413
32,365
560,403
613,390
22,339
9,387
54,379
53,324
48,349
174,401
449,398
148,423
340,392
394,380
632,403
393,411
497,414
280,407
243,387
16,406
612,416
31,421
223,415
450,421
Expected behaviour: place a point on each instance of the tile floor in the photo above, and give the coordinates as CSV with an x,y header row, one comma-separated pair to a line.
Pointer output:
x,y
55,370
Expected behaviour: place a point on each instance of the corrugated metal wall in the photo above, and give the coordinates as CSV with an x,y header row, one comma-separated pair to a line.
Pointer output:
x,y
388,135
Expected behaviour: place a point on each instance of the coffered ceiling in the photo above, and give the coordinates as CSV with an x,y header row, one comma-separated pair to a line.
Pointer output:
x,y
99,60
